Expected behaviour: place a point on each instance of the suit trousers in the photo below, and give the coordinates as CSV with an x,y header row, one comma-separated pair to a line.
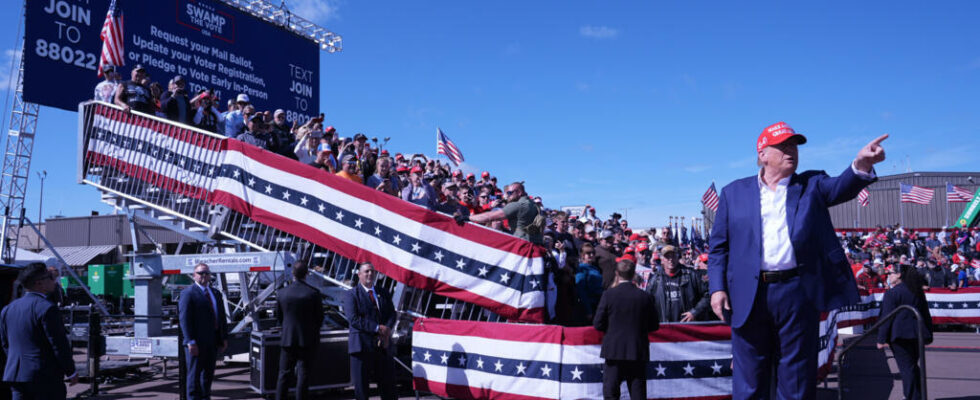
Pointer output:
x,y
780,332
617,371
906,352
298,359
380,365
38,390
200,372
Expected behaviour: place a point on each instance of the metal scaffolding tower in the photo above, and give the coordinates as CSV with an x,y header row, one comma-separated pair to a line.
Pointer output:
x,y
16,167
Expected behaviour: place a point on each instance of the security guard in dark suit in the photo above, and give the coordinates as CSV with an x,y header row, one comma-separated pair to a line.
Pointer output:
x,y
372,316
627,315
901,332
299,309
39,356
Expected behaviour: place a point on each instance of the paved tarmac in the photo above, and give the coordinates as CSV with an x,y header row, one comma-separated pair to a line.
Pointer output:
x,y
952,361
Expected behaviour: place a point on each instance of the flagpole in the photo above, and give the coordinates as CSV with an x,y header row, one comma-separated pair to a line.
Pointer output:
x,y
901,206
947,204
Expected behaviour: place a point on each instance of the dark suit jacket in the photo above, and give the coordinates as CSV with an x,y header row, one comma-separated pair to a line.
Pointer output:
x,y
904,325
196,320
33,337
627,315
364,317
606,261
300,313
736,240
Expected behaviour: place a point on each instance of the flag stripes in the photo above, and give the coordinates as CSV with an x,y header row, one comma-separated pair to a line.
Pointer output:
x,y
446,147
112,39
915,194
956,194
710,198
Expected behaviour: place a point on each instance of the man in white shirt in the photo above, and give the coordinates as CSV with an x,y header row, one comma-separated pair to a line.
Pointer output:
x,y
773,249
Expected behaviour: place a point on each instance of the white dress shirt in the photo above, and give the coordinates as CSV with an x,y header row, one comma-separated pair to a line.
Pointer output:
x,y
777,248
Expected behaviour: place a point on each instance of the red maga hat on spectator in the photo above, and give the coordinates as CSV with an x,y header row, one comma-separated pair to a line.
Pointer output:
x,y
626,257
399,156
777,133
703,257
330,130
416,169
635,236
642,246
385,152
629,249
470,175
401,168
457,173
485,174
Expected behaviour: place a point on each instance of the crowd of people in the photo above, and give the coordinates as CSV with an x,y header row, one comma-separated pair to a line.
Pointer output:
x,y
949,258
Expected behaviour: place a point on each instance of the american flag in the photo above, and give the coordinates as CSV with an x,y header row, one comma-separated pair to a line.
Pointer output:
x,y
112,38
956,194
864,198
408,243
448,148
710,198
916,194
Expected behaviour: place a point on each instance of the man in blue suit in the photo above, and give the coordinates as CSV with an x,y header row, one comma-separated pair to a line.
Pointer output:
x,y
39,356
774,252
202,321
371,316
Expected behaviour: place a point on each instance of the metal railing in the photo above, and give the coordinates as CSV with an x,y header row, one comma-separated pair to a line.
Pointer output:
x,y
132,172
920,335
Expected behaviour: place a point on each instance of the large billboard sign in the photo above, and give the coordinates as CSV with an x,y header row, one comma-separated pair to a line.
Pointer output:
x,y
211,44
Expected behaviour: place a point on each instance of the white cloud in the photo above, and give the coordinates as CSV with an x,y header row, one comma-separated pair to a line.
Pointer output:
x,y
697,168
598,32
6,80
314,10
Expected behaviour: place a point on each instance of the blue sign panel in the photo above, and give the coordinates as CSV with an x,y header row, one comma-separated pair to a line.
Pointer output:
x,y
212,45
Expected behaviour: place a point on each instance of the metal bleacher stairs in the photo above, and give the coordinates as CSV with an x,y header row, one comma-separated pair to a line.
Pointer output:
x,y
215,229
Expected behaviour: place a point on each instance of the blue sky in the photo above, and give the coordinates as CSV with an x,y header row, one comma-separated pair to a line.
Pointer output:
x,y
627,106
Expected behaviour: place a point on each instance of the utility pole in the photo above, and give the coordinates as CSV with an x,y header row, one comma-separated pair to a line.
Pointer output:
x,y
40,202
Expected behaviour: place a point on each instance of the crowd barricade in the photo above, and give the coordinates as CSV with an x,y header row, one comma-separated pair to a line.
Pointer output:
x,y
485,360
273,203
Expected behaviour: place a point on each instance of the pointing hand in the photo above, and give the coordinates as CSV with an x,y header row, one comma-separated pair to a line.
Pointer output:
x,y
871,154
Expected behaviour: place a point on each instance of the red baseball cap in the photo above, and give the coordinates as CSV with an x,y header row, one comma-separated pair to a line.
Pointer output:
x,y
470,175
457,172
703,257
401,168
775,134
641,247
399,156
626,257
628,250
417,169
384,152
485,174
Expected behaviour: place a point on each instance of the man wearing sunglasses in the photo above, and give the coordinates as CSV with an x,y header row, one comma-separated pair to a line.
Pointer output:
x,y
202,321
39,356
519,212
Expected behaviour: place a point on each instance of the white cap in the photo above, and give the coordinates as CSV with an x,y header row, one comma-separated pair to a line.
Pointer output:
x,y
242,98
279,111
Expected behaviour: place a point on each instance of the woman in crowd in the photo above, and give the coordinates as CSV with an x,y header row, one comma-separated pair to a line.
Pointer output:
x,y
901,332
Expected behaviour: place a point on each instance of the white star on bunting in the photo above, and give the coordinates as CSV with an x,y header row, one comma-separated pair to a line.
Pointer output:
x,y
546,371
285,195
321,207
504,278
340,215
416,247
443,358
661,370
438,255
716,368
576,373
460,263
358,223
479,363
482,271
268,189
688,369
303,201
236,173
521,368
427,355
377,229
497,366
462,360
396,240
